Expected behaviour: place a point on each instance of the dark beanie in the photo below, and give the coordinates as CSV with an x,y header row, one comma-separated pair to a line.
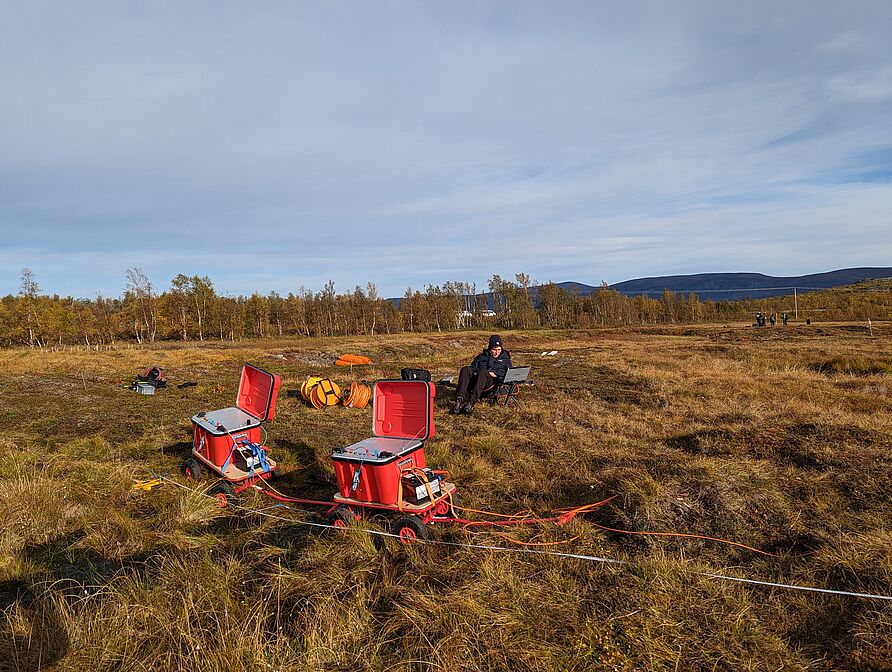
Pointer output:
x,y
494,341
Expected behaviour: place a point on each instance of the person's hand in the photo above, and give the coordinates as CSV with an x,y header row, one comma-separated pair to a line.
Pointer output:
x,y
492,373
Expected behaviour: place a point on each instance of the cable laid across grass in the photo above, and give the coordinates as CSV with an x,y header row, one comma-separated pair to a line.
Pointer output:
x,y
686,535
533,551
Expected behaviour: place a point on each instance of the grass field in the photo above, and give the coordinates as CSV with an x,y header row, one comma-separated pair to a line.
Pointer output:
x,y
778,439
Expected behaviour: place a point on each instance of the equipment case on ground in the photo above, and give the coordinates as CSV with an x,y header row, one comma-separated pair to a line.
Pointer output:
x,y
402,419
215,432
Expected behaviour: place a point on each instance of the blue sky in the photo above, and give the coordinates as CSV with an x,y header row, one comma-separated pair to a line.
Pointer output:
x,y
282,144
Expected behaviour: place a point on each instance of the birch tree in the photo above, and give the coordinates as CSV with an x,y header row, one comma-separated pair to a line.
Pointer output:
x,y
139,285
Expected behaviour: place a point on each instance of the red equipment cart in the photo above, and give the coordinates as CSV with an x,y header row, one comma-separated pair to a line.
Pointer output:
x,y
387,474
384,475
228,441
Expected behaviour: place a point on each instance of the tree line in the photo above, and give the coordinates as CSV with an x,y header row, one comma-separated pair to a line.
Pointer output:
x,y
190,309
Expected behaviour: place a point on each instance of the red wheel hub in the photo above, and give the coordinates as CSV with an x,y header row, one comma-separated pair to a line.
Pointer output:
x,y
407,535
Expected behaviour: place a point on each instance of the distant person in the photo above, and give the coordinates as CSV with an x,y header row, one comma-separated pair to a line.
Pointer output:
x,y
773,319
808,320
784,318
487,369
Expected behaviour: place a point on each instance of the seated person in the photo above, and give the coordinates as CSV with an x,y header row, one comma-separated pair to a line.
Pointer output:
x,y
487,369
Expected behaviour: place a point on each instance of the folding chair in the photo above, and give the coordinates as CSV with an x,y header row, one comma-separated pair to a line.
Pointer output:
x,y
509,387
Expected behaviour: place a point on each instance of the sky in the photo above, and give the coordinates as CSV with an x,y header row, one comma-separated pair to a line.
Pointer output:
x,y
283,144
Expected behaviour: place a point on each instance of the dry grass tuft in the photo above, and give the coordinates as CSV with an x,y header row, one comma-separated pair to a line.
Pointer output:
x,y
777,439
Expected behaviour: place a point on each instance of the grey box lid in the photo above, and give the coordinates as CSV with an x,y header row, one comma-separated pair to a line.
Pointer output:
x,y
369,450
233,419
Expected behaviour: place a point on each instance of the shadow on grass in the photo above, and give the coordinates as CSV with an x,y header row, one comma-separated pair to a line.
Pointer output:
x,y
294,537
810,446
75,571
37,637
299,451
181,449
42,641
830,631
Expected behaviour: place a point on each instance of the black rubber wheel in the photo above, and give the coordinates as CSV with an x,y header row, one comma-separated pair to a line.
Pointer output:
x,y
409,529
341,518
224,493
193,469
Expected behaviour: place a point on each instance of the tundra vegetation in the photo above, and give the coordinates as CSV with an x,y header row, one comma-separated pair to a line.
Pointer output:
x,y
778,439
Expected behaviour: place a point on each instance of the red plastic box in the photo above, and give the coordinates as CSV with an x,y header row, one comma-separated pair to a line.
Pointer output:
x,y
213,433
402,419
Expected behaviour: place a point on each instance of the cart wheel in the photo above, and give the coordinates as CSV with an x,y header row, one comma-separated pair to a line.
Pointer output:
x,y
454,503
192,469
224,493
447,506
442,508
409,529
341,518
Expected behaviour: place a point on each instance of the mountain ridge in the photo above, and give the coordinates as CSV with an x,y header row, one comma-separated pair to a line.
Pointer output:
x,y
723,286
732,286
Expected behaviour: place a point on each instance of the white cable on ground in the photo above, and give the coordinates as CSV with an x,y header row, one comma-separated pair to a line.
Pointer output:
x,y
531,551
791,586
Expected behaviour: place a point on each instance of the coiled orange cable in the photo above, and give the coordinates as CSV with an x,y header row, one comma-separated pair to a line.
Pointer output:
x,y
357,396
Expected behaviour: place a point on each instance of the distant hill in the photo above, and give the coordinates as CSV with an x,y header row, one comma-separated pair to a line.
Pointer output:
x,y
725,286
730,286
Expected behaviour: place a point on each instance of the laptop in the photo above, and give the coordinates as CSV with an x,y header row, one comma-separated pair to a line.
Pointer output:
x,y
517,374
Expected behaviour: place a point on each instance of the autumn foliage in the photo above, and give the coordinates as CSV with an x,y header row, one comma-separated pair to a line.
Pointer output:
x,y
190,309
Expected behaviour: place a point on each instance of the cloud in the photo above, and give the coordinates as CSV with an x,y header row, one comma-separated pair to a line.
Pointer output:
x,y
861,86
411,144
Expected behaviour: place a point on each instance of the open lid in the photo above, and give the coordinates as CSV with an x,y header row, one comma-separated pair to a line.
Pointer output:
x,y
403,409
257,391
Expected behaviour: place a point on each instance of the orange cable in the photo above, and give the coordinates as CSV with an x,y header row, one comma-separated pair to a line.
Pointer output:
x,y
419,472
513,516
270,486
569,514
586,507
507,537
683,534
572,511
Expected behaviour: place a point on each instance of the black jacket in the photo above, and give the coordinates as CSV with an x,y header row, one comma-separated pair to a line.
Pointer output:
x,y
498,365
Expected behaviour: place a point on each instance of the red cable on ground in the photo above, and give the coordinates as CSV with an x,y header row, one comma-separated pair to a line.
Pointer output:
x,y
525,518
567,515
